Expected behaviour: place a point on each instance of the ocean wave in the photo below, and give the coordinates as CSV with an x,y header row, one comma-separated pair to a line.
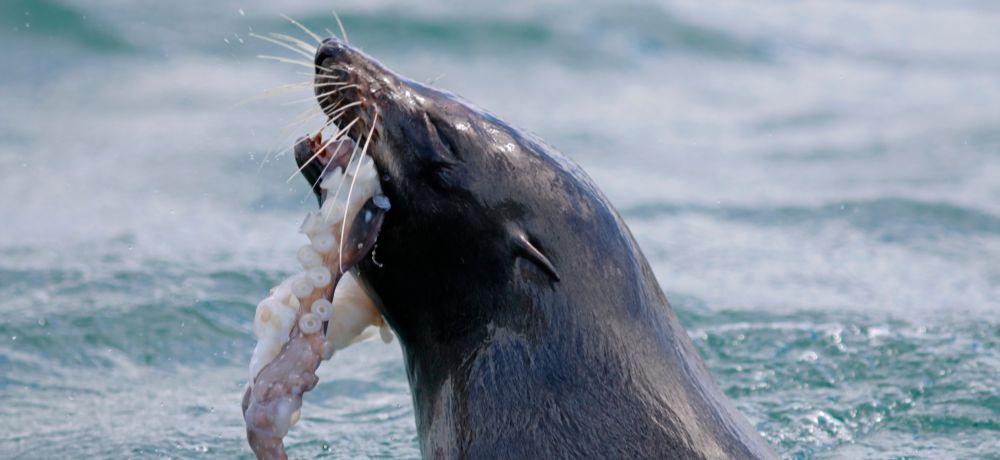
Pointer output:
x,y
605,35
892,219
45,20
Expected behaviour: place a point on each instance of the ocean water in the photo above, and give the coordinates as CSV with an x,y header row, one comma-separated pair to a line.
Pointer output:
x,y
816,184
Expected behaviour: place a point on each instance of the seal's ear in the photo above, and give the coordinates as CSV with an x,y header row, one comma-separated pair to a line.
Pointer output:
x,y
530,251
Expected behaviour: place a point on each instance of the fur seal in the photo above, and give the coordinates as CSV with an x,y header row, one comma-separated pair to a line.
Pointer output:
x,y
530,322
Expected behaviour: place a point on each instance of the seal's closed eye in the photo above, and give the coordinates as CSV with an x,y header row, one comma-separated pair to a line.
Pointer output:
x,y
439,156
440,135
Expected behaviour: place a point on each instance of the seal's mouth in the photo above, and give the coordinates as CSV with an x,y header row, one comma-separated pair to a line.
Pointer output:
x,y
317,158
348,88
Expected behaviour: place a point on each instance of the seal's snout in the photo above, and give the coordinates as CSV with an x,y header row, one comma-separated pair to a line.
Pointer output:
x,y
330,51
333,75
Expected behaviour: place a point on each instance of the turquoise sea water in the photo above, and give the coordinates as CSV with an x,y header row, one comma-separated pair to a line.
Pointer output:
x,y
817,185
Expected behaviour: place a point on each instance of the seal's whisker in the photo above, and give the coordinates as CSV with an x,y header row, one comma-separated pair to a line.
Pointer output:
x,y
287,129
340,133
335,66
268,93
305,83
325,168
319,76
283,151
336,104
307,116
313,84
305,46
322,173
301,84
286,60
282,44
304,29
335,83
343,31
330,77
285,143
332,121
341,109
319,179
281,89
435,79
310,116
313,98
316,85
334,91
305,99
293,61
354,180
274,152
340,186
320,150
303,117
350,160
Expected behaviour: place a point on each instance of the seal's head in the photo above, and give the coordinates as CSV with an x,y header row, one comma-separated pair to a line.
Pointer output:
x,y
458,178
418,135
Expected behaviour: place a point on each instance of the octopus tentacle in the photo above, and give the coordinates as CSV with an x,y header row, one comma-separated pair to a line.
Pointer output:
x,y
310,315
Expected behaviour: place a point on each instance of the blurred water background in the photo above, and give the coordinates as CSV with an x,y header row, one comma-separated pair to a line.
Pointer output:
x,y
817,185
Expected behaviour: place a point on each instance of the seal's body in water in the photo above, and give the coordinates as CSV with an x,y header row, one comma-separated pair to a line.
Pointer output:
x,y
531,324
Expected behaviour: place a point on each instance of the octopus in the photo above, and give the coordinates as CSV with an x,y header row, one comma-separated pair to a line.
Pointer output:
x,y
311,315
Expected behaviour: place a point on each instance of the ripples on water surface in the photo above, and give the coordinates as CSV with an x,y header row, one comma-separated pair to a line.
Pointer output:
x,y
817,186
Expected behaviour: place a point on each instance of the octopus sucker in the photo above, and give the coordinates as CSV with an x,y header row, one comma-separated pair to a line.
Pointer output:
x,y
323,308
302,287
319,276
323,242
309,258
310,315
310,323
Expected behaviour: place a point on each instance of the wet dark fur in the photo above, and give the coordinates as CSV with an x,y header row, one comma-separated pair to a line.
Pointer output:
x,y
530,322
